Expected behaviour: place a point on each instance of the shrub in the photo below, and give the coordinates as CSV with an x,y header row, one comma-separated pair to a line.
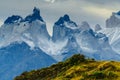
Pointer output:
x,y
76,59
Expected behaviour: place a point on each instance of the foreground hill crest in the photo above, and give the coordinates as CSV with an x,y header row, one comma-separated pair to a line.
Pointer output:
x,y
76,68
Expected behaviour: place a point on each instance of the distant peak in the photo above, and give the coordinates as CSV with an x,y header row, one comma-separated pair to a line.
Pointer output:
x,y
66,17
36,11
85,26
97,27
118,12
84,23
61,20
34,16
13,19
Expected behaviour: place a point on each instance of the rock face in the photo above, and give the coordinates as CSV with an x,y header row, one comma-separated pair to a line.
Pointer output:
x,y
97,27
34,16
13,19
20,41
67,35
63,28
114,20
112,30
31,30
81,39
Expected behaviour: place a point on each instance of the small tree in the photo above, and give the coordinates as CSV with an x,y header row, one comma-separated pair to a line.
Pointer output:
x,y
76,59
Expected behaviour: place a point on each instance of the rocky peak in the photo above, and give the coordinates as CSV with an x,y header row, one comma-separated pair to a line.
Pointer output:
x,y
34,16
114,20
63,19
13,19
66,17
85,26
118,12
97,27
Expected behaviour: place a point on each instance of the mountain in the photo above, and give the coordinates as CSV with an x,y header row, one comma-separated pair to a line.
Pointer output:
x,y
18,57
97,27
63,28
31,30
114,20
81,39
25,42
63,32
68,37
21,44
112,30
76,68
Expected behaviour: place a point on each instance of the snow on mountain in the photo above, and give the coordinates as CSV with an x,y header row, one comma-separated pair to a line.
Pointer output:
x,y
95,45
25,42
18,57
114,37
114,20
31,30
112,30
22,45
71,48
81,39
62,31
97,27
63,28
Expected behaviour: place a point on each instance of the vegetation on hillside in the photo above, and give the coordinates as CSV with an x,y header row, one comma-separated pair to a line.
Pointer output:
x,y
76,68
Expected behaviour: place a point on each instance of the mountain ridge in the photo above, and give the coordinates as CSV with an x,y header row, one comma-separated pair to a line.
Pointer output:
x,y
32,30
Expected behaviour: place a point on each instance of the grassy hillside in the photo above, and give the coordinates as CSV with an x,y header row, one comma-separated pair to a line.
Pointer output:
x,y
76,68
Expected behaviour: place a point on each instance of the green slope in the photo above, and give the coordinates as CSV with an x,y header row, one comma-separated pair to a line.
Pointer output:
x,y
76,68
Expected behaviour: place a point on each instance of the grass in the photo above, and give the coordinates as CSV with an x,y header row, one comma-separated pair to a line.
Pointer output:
x,y
76,68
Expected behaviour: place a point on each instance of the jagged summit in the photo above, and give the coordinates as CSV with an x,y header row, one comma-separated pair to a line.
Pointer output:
x,y
97,27
13,19
85,26
63,28
36,11
114,20
118,12
63,19
34,16
66,17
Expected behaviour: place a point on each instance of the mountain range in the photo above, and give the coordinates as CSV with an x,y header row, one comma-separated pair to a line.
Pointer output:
x,y
25,43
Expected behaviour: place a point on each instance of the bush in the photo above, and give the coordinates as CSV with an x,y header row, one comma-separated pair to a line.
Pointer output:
x,y
76,59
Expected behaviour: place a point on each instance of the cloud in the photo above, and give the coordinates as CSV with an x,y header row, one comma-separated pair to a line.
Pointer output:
x,y
102,12
51,1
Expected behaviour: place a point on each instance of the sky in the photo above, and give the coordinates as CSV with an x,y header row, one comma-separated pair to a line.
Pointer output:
x,y
92,11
